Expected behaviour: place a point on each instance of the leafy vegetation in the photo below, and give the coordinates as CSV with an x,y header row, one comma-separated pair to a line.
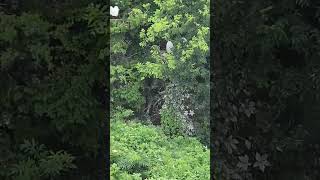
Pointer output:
x,y
54,58
155,83
145,152
53,90
266,80
160,89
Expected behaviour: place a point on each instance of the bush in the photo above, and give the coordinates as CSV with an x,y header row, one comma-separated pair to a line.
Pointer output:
x,y
139,151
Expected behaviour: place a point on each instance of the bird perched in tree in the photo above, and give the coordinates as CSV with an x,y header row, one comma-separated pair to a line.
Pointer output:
x,y
114,11
169,46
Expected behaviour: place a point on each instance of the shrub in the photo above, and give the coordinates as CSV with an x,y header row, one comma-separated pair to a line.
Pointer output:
x,y
139,151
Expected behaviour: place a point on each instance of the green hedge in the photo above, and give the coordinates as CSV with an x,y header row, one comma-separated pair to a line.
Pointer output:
x,y
139,151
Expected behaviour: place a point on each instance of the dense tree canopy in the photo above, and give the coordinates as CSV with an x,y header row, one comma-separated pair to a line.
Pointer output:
x,y
160,77
167,88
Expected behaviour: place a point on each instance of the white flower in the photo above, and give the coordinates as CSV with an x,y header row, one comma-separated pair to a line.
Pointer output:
x,y
114,11
185,113
191,113
169,46
184,40
190,127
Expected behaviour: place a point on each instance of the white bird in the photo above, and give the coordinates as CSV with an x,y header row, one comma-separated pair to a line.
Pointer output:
x,y
169,46
114,11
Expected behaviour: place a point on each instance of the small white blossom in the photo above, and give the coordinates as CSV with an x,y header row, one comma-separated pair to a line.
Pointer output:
x,y
190,127
184,40
114,11
191,113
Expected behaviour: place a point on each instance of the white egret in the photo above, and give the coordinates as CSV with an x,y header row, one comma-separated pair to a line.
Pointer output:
x,y
114,11
169,46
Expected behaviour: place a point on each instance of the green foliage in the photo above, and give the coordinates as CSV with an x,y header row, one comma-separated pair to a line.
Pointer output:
x,y
36,162
116,173
264,98
53,88
171,122
139,152
120,114
138,41
168,89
